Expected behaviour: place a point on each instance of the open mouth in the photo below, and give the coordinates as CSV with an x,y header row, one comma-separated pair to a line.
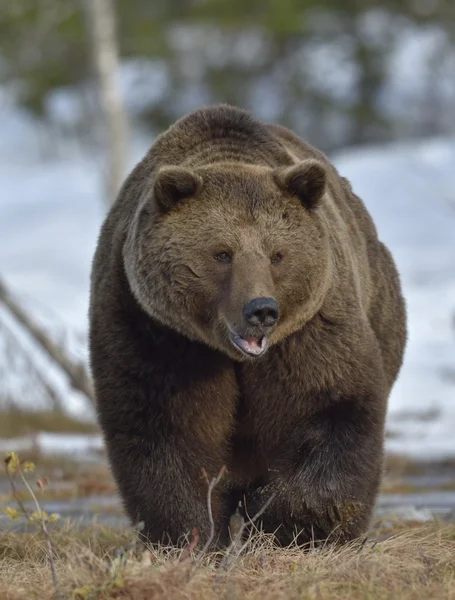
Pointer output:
x,y
250,345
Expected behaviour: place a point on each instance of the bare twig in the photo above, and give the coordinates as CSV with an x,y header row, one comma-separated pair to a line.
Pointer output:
x,y
211,486
186,553
237,538
76,372
192,544
44,529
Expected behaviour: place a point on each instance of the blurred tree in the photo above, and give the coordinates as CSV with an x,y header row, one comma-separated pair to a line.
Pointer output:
x,y
322,67
102,28
42,48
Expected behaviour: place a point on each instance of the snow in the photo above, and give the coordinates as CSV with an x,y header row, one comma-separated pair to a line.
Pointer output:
x,y
410,191
51,209
75,446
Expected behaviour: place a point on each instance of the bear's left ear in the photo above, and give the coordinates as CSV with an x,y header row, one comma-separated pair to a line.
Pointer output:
x,y
174,184
307,180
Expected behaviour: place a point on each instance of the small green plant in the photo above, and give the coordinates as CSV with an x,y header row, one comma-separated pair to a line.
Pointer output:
x,y
16,469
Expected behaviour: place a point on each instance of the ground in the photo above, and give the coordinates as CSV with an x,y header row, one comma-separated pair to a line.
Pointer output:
x,y
96,556
416,562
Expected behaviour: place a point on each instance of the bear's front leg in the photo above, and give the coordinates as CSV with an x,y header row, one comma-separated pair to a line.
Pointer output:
x,y
326,477
161,432
162,484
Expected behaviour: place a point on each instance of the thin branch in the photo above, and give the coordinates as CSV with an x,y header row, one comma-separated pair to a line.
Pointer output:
x,y
76,372
186,553
211,486
44,529
235,542
50,550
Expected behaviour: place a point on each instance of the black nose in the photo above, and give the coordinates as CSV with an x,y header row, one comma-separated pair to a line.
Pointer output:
x,y
261,311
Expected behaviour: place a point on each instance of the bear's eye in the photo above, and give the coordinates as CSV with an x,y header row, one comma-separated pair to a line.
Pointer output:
x,y
276,258
223,257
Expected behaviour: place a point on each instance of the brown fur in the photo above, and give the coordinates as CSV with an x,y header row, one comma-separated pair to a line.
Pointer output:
x,y
304,421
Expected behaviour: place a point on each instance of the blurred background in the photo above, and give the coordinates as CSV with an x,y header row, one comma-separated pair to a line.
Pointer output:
x,y
86,85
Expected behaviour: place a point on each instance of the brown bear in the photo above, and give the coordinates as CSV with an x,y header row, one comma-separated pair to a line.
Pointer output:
x,y
243,313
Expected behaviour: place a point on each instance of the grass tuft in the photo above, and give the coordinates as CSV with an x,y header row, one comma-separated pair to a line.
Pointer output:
x,y
99,563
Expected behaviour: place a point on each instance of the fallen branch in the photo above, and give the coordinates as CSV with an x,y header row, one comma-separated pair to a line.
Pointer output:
x,y
76,372
19,350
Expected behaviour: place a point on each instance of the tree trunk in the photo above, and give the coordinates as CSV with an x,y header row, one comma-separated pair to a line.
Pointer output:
x,y
101,25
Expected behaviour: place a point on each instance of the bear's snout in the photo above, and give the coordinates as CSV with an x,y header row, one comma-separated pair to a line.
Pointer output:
x,y
261,312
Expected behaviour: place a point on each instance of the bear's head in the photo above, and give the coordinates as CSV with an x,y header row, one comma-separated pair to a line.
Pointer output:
x,y
232,255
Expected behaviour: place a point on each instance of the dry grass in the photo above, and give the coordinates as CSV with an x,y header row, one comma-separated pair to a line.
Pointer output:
x,y
417,563
401,560
15,422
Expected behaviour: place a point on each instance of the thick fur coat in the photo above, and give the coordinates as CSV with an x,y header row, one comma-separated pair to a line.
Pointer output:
x,y
243,313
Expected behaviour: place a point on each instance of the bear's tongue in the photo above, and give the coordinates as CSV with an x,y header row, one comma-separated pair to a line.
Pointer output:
x,y
252,345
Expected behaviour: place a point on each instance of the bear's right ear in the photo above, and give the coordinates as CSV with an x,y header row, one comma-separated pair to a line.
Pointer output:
x,y
174,184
